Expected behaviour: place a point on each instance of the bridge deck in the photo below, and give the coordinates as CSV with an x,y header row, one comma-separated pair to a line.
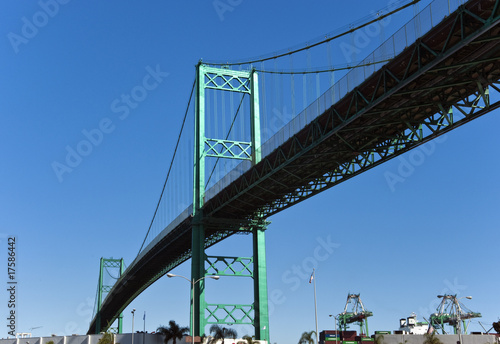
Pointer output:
x,y
386,115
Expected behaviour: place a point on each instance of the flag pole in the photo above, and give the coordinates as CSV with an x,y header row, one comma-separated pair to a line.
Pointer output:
x,y
144,332
313,277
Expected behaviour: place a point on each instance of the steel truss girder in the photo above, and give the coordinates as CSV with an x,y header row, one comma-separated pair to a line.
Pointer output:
x,y
229,149
437,125
423,57
471,107
231,266
231,314
218,79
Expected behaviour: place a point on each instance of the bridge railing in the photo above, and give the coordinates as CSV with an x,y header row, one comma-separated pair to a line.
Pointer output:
x,y
424,21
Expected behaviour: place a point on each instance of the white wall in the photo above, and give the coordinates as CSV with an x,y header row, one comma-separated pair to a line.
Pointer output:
x,y
123,338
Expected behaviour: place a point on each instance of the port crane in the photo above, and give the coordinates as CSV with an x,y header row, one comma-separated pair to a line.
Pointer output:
x,y
452,312
354,312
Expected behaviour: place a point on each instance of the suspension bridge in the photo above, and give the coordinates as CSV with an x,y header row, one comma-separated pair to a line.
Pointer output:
x,y
273,131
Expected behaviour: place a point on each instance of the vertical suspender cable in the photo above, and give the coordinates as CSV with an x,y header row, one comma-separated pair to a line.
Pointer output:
x,y
309,78
292,86
330,63
231,105
416,21
304,91
277,100
383,48
354,58
215,114
221,171
169,169
242,117
318,92
278,84
280,94
263,112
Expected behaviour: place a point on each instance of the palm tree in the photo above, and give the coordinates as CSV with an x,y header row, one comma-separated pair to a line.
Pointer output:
x,y
431,338
248,340
307,337
173,331
219,332
496,326
379,339
108,337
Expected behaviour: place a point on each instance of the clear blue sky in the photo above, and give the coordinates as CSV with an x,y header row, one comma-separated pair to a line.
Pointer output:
x,y
400,246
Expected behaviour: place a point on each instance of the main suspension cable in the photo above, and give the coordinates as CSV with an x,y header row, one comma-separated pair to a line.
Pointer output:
x,y
326,40
170,167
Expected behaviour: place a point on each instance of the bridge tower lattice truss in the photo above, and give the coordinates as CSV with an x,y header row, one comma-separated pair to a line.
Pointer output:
x,y
104,288
256,314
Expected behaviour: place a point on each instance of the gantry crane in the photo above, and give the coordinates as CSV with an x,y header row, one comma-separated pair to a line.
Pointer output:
x,y
354,312
452,312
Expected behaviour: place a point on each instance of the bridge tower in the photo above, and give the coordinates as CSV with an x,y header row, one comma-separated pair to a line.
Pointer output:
x,y
105,265
256,314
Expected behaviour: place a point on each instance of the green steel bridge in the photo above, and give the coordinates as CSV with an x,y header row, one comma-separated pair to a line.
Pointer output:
x,y
438,72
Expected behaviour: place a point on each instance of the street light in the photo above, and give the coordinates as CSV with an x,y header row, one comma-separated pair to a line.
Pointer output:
x,y
193,283
336,332
133,314
460,312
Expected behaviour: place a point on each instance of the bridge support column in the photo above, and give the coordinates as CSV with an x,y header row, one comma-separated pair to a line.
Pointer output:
x,y
256,313
244,83
197,273
261,315
198,234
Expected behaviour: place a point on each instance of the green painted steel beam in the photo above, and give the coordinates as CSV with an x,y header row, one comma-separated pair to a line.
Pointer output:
x,y
228,149
198,229
99,296
261,321
236,81
120,317
229,266
255,118
104,265
225,79
230,314
436,125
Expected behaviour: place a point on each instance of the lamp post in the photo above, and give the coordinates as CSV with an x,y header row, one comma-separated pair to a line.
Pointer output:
x,y
133,314
336,332
460,312
193,283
